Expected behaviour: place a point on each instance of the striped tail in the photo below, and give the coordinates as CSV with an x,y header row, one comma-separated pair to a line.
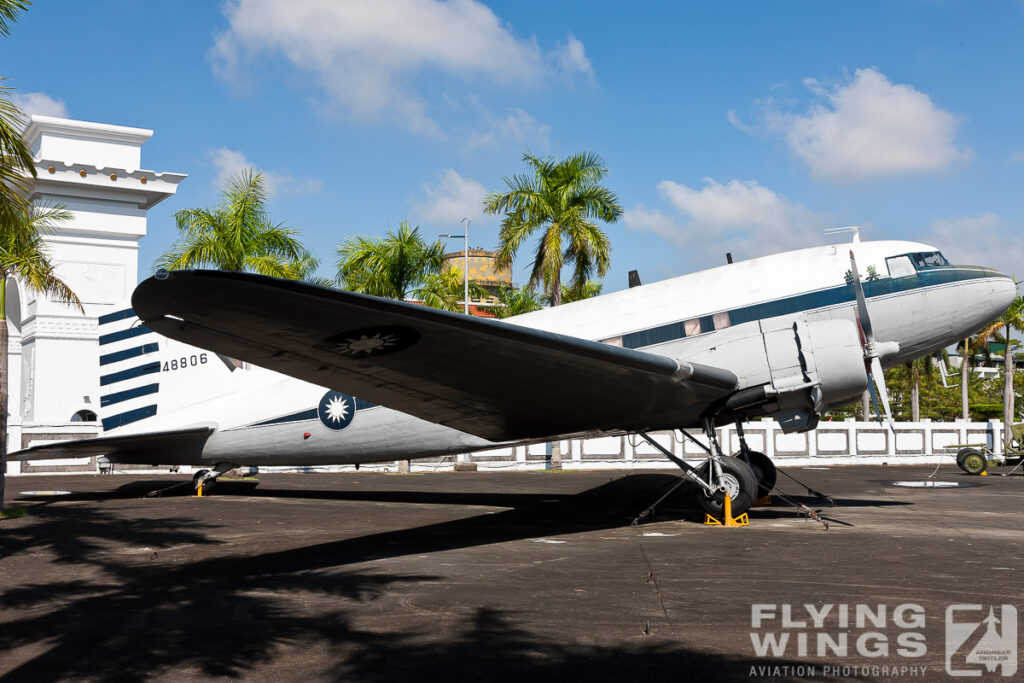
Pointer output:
x,y
129,370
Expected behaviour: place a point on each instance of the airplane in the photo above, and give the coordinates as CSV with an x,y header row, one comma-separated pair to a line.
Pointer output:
x,y
224,369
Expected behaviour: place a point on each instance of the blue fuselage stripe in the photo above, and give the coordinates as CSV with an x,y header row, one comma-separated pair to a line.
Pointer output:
x,y
121,419
128,394
310,414
129,353
146,369
124,334
810,301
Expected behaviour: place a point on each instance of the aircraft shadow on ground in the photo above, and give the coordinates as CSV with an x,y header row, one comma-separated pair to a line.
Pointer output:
x,y
131,618
128,616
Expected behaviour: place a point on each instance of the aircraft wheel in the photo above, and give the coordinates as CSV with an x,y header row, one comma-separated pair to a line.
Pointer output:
x,y
764,471
199,475
739,481
972,461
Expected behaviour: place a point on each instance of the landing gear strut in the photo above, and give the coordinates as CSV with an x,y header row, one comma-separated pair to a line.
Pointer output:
x,y
715,478
761,464
204,480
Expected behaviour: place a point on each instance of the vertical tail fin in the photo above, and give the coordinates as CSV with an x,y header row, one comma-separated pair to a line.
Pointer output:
x,y
129,369
144,374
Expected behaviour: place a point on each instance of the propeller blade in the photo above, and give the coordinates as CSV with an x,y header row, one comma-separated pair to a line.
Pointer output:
x,y
874,397
862,305
879,381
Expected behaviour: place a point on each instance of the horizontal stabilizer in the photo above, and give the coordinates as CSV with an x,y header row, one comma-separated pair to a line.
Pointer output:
x,y
494,379
158,448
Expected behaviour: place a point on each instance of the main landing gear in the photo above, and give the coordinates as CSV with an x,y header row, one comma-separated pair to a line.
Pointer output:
x,y
745,478
203,481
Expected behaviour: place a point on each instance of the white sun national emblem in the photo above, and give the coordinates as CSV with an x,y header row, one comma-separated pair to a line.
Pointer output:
x,y
336,410
371,341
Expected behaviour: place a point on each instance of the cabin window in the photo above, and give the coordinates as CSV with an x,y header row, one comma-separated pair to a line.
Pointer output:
x,y
900,266
722,320
929,259
692,327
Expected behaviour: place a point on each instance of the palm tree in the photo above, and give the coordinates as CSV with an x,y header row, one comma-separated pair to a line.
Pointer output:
x,y
392,267
446,290
589,289
23,256
914,369
16,165
559,198
1012,319
236,235
305,267
517,301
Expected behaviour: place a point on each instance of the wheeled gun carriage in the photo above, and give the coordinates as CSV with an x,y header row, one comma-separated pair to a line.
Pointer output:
x,y
974,458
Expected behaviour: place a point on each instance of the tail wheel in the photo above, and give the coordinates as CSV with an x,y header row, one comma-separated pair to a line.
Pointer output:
x,y
972,461
739,482
764,471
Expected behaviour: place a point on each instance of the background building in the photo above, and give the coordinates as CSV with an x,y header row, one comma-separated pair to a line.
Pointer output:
x,y
482,272
94,171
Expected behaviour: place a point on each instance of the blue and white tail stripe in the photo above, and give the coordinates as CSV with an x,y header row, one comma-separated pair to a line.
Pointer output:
x,y
129,369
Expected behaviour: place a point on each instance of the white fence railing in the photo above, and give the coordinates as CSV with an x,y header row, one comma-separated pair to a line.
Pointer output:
x,y
833,443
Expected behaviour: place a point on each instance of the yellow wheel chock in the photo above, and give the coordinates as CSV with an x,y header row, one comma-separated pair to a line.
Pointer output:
x,y
742,520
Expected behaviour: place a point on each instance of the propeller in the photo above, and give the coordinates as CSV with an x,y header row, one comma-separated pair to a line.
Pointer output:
x,y
873,351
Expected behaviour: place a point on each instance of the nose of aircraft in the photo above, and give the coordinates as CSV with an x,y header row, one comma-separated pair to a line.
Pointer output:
x,y
1002,292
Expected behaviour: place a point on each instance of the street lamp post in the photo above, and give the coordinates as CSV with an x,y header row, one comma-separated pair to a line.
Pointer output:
x,y
465,267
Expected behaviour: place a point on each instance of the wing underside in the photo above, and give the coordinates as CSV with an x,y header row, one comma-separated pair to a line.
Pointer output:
x,y
166,447
489,378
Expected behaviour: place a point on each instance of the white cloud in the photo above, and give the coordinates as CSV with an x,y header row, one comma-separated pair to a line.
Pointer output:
x,y
451,199
981,240
572,58
867,128
368,55
39,103
230,161
518,129
747,218
643,220
735,120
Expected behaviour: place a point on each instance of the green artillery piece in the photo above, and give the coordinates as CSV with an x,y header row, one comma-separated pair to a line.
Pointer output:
x,y
976,458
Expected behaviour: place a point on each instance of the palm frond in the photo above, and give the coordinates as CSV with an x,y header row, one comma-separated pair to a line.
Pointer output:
x,y
9,11
560,197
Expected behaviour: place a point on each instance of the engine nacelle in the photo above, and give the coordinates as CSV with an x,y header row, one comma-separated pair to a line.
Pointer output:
x,y
791,370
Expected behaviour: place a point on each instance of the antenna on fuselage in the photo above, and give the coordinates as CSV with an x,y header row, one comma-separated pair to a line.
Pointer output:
x,y
634,279
855,229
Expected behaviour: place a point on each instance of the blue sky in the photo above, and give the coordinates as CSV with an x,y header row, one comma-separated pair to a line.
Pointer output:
x,y
727,126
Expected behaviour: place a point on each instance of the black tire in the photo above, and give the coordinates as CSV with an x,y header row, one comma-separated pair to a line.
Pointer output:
x,y
207,486
764,471
972,461
739,478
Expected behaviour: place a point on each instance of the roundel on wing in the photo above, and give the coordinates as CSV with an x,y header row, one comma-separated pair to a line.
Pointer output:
x,y
336,410
372,341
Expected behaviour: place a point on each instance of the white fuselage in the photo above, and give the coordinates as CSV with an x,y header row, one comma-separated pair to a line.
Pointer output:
x,y
264,418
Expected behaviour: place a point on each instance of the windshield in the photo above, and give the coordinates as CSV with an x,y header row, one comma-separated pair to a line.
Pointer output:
x,y
929,259
909,264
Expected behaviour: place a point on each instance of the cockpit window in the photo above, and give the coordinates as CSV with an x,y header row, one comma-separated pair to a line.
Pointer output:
x,y
908,264
900,266
929,259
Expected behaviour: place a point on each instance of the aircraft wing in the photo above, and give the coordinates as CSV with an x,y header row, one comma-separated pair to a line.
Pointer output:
x,y
493,379
154,447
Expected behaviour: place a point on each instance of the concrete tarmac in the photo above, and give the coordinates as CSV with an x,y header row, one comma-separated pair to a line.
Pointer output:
x,y
505,576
